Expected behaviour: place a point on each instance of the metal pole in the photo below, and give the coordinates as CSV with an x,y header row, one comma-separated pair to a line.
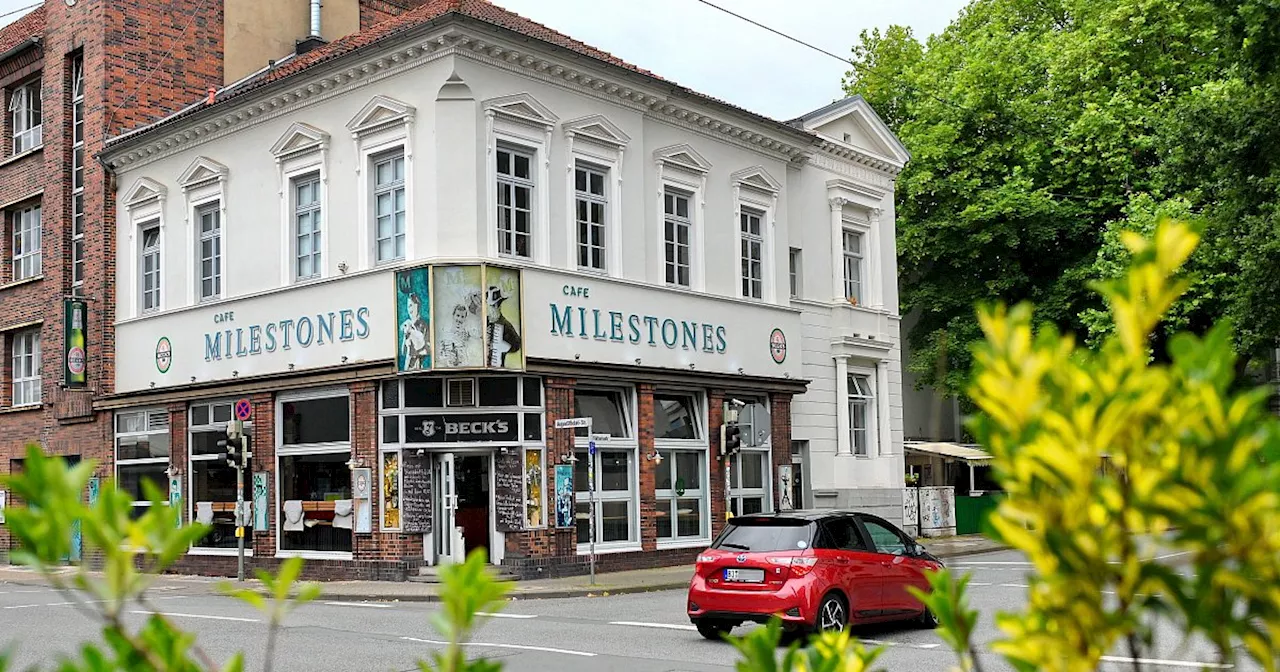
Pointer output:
x,y
591,481
240,503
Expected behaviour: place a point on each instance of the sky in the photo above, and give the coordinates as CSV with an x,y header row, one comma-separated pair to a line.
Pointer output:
x,y
714,53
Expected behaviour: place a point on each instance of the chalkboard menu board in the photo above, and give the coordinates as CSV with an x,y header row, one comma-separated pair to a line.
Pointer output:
x,y
415,492
508,491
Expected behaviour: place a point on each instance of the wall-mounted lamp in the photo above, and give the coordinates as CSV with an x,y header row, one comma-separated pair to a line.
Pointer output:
x,y
421,452
344,359
342,267
153,384
637,360
577,356
691,366
654,457
235,374
740,371
290,366
193,379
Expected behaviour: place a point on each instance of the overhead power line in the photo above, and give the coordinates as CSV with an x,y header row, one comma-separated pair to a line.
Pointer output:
x,y
20,10
777,32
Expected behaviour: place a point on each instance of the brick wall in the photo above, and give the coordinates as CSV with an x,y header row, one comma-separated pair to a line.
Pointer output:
x,y
780,417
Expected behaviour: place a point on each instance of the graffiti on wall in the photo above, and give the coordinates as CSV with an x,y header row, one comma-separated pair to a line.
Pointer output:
x,y
933,508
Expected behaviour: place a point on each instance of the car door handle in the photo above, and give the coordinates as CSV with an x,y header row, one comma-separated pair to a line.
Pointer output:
x,y
842,561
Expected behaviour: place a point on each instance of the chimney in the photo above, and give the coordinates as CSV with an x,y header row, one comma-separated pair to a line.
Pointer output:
x,y
314,39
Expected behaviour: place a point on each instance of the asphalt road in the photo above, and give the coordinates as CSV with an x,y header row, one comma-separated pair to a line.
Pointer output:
x,y
641,633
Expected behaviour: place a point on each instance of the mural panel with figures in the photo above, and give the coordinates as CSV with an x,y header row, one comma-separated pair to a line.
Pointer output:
x,y
503,347
458,317
413,314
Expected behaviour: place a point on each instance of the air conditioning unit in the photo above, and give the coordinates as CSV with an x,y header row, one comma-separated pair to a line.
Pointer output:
x,y
460,392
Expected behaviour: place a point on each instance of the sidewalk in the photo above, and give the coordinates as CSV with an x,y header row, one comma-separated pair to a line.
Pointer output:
x,y
612,583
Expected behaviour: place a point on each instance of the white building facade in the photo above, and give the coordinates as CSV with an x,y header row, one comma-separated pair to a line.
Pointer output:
x,y
412,252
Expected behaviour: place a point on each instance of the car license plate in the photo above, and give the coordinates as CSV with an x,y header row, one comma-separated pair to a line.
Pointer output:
x,y
736,575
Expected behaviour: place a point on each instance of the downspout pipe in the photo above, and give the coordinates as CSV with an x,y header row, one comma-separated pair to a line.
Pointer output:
x,y
315,18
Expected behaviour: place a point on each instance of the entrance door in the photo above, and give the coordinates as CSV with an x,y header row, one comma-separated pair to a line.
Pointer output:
x,y
471,481
446,506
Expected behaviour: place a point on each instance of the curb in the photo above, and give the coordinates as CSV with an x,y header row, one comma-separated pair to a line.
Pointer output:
x,y
968,552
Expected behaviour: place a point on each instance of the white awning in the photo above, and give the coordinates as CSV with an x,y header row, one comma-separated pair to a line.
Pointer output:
x,y
951,451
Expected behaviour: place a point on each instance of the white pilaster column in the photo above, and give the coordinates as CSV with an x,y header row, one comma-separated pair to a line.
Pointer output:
x,y
875,267
842,407
837,249
884,423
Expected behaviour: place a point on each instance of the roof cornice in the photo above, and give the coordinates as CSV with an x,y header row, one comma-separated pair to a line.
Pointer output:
x,y
482,42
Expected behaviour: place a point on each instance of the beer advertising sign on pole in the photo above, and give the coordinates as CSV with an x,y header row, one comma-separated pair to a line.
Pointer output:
x,y
75,356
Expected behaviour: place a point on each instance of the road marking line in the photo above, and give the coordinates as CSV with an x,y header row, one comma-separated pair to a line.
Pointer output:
x,y
22,592
171,614
981,564
517,647
880,642
979,583
67,604
1173,555
662,626
1168,663
366,605
1014,585
488,614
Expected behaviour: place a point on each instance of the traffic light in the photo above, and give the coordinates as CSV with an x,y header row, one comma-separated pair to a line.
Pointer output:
x,y
236,449
730,438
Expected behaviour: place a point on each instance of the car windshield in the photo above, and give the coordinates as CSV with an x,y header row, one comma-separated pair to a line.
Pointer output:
x,y
766,534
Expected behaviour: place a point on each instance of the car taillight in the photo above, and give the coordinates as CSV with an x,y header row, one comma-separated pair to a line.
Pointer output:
x,y
703,559
799,566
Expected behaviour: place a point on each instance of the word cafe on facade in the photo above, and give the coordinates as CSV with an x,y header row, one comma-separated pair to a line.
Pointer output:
x,y
404,418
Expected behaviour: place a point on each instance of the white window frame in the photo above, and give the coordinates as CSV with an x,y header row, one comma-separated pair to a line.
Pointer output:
x,y
301,151
855,260
315,213
582,245
514,182
28,229
795,272
858,379
756,190
598,142
671,265
77,171
751,250
25,368
522,122
26,120
147,414
326,448
383,125
203,182
629,445
143,252
700,445
738,493
214,207
214,426
376,191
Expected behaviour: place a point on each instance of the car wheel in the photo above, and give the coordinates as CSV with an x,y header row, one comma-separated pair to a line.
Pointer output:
x,y
713,630
833,614
927,620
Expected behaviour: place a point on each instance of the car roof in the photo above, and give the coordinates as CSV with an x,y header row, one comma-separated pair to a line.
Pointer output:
x,y
802,514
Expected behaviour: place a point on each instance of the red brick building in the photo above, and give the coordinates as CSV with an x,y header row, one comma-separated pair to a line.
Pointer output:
x,y
73,74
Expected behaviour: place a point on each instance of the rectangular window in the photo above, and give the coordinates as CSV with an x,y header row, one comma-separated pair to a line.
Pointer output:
x,y
615,496
25,349
213,481
24,104
142,454
77,171
607,410
315,477
389,206
752,254
306,226
26,242
209,216
748,483
149,267
681,493
853,265
862,411
515,202
590,203
794,272
677,229
675,417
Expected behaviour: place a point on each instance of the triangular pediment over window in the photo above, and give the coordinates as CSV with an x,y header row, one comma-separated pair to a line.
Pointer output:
x,y
143,190
524,108
203,169
598,128
682,156
756,177
380,112
300,137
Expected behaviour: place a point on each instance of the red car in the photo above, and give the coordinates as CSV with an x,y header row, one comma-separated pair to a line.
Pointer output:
x,y
816,570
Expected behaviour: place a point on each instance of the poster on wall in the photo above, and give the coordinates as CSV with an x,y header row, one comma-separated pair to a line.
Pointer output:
x,y
533,480
415,491
391,490
564,495
785,488
503,347
457,317
75,369
260,481
3,503
413,314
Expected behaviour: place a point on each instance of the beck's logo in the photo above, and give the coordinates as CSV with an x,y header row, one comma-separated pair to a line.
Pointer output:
x,y
489,428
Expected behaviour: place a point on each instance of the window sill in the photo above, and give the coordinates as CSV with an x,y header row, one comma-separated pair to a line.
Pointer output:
x,y
315,555
610,549
24,281
18,157
21,409
225,552
672,544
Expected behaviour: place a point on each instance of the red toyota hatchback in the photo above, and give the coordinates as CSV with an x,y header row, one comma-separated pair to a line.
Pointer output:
x,y
816,570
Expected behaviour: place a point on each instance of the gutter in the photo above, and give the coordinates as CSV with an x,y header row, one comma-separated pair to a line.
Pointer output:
x,y
33,41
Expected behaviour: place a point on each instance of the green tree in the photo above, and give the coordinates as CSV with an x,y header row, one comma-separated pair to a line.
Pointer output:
x,y
1039,129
